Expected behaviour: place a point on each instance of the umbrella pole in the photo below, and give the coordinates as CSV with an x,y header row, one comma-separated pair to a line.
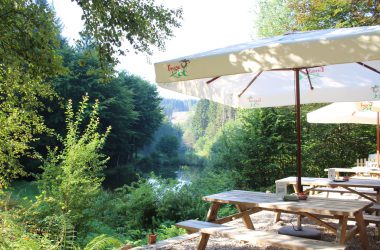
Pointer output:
x,y
377,140
298,127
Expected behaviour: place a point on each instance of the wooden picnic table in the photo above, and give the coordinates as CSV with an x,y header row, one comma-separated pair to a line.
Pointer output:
x,y
373,172
347,185
251,202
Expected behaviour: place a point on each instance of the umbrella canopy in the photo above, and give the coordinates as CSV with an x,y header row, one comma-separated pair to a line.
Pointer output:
x,y
349,112
326,66
346,112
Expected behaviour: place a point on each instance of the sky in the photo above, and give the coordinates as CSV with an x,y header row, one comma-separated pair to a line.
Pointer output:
x,y
206,25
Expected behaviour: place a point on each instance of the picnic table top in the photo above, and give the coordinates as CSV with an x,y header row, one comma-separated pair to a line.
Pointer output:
x,y
356,170
352,182
313,205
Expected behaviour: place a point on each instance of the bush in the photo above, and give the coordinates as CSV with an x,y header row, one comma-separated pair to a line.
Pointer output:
x,y
71,180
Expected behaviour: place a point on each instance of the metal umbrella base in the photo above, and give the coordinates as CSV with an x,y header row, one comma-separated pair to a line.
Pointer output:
x,y
304,232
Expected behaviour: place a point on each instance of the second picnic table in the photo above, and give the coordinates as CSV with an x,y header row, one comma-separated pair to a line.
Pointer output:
x,y
314,183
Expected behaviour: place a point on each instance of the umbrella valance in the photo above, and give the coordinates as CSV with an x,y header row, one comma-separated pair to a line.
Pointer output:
x,y
333,83
295,50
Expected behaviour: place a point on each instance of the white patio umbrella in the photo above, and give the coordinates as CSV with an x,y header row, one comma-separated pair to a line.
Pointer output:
x,y
350,112
303,67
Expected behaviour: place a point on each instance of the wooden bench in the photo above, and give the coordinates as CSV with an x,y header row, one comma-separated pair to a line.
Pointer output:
x,y
344,191
256,237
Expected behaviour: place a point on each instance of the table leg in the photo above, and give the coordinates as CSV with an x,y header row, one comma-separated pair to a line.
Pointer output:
x,y
295,188
362,229
342,230
277,217
213,211
246,218
377,214
203,241
211,216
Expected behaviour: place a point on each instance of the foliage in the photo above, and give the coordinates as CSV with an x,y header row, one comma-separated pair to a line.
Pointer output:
x,y
208,118
127,103
103,242
13,235
71,179
314,15
273,17
29,37
19,122
277,17
168,145
142,23
166,232
334,145
142,206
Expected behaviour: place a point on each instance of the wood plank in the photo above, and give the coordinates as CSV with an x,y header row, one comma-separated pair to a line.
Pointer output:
x,y
196,225
371,218
246,219
357,182
342,230
359,193
320,222
212,214
341,190
362,230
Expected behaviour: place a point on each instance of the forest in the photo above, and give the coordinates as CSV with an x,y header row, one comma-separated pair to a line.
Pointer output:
x,y
89,158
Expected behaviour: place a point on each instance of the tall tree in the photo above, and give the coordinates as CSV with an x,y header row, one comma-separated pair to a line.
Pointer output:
x,y
140,22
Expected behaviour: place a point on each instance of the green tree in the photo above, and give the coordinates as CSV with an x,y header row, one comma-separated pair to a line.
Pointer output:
x,y
168,145
314,15
29,37
19,99
273,17
142,23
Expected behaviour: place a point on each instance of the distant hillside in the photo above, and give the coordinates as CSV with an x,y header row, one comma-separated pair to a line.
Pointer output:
x,y
171,106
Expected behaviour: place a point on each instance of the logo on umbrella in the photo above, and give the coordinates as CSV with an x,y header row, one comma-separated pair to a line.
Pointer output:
x,y
180,69
376,91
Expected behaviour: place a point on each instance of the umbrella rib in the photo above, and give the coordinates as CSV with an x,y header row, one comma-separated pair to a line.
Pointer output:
x,y
250,83
213,79
368,67
308,77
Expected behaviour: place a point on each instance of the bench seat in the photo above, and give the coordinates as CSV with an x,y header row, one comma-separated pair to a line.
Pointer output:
x,y
258,237
371,218
343,191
